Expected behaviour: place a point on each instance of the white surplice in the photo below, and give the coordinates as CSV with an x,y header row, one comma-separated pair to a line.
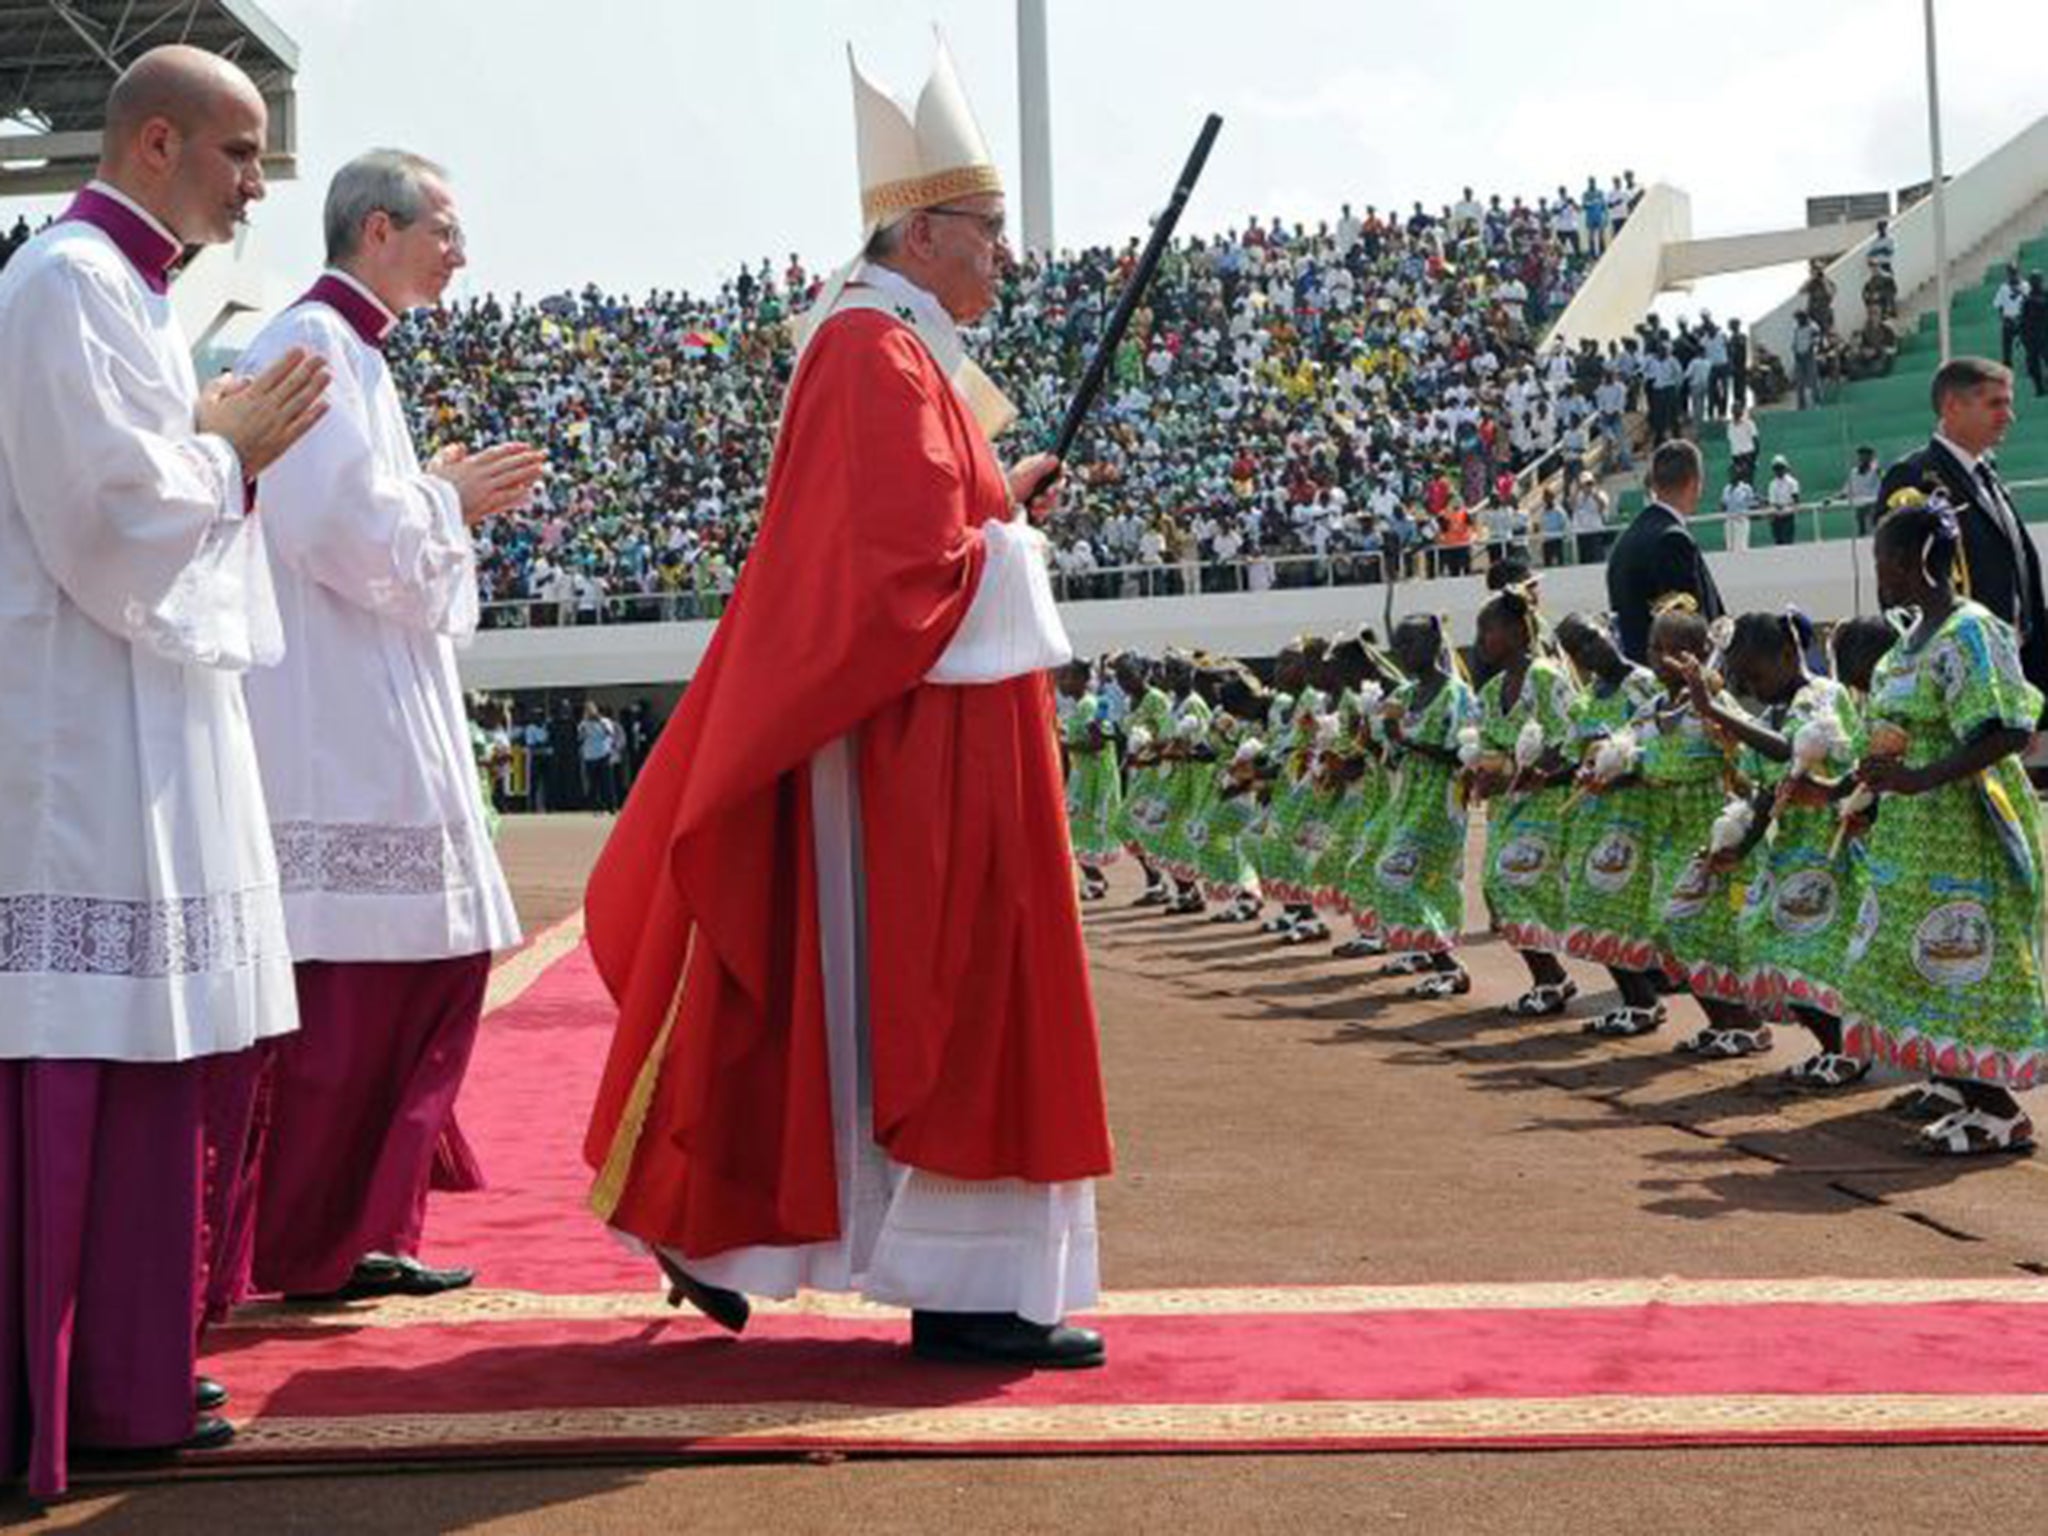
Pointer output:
x,y
361,732
139,911
910,1238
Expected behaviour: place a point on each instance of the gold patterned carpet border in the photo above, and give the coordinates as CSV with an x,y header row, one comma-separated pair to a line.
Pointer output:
x,y
507,1306
1493,1420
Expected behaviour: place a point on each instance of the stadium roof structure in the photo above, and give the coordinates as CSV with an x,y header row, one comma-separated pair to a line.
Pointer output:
x,y
59,57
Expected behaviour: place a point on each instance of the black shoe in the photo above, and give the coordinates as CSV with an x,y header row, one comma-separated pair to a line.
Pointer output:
x,y
415,1279
209,1433
208,1395
1003,1338
729,1309
382,1276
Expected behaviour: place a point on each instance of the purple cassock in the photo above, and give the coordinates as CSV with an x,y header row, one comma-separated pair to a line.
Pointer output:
x,y
362,1115
145,952
392,890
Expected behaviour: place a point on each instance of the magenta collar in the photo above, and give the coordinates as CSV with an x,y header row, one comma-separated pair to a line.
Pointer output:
x,y
149,249
371,321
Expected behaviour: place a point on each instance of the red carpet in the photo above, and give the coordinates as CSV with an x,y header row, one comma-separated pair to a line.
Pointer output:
x,y
570,1351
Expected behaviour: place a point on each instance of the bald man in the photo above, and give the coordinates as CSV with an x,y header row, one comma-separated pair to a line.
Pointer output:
x,y
142,939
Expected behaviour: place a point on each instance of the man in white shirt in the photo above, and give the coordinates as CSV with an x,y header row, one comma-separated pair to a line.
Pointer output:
x,y
1742,437
392,891
1738,497
2007,302
1783,495
142,944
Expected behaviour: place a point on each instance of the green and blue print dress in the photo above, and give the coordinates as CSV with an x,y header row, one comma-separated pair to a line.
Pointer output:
x,y
1416,897
1095,793
1142,821
1803,899
1222,828
1524,880
1189,781
1294,830
1945,964
1695,913
1607,838
1356,808
1267,857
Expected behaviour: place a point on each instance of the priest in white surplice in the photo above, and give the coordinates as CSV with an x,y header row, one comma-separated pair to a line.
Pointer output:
x,y
141,934
392,891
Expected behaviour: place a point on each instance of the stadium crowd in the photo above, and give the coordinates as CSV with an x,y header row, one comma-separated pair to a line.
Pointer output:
x,y
1294,405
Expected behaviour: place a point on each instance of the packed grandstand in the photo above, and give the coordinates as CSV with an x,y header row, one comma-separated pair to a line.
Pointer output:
x,y
1293,403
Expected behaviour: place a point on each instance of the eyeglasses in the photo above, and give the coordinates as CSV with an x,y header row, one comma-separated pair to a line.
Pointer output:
x,y
993,225
446,231
449,233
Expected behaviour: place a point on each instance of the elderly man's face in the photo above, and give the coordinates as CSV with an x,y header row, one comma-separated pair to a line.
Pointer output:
x,y
427,253
963,250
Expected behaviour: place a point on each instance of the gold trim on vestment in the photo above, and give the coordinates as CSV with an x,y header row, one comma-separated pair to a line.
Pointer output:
x,y
915,192
610,1186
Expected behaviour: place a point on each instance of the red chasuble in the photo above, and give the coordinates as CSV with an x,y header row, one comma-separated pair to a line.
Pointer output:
x,y
713,1125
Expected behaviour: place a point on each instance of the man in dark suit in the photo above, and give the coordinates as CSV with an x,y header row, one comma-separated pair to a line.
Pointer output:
x,y
1655,555
2000,567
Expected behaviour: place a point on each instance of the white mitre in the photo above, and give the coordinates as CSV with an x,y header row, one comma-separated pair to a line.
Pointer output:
x,y
912,159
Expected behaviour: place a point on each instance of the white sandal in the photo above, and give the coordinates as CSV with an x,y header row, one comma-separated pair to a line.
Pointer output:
x,y
1727,1044
1627,1023
1976,1132
1414,963
1544,1002
1929,1101
1827,1071
1442,984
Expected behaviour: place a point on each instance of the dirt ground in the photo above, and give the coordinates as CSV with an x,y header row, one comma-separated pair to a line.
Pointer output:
x,y
1283,1118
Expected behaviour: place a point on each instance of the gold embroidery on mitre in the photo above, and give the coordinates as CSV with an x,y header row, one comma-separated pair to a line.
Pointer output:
x,y
915,192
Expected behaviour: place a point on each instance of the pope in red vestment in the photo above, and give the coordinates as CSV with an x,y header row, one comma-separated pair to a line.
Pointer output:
x,y
712,1127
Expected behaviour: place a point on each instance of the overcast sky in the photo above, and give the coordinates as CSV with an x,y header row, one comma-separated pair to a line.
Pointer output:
x,y
635,143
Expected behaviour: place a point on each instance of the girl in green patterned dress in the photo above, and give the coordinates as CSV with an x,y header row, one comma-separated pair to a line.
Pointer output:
x,y
1607,828
1700,870
1094,780
1803,893
1353,767
1145,732
1524,734
1189,763
1281,873
1301,815
1230,811
1373,766
1945,964
1416,902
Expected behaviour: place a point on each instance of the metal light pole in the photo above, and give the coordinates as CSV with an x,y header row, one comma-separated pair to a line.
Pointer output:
x,y
1034,124
1939,192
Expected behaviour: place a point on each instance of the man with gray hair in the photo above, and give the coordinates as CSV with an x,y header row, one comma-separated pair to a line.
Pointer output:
x,y
142,947
393,895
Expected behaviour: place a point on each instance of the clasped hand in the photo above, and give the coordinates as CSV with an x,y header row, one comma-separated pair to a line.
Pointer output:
x,y
491,481
261,417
